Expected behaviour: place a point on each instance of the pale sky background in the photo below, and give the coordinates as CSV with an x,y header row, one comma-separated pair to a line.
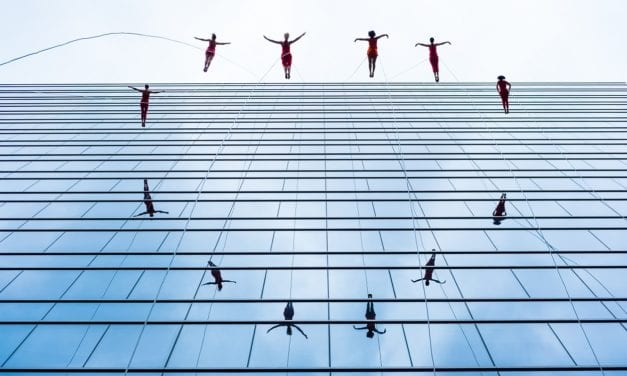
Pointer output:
x,y
526,40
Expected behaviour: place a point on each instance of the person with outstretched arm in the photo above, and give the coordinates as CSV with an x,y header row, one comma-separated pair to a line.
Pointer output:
x,y
503,88
373,51
370,315
499,212
433,55
429,272
143,104
286,53
217,276
288,315
211,49
150,207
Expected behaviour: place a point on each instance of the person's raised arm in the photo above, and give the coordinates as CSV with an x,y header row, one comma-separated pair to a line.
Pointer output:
x,y
156,91
301,331
361,39
417,280
443,43
271,40
383,35
162,211
140,214
223,43
362,328
380,332
134,88
210,283
204,40
421,44
227,280
298,37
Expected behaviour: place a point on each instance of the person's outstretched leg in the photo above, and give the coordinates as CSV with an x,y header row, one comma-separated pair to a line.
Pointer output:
x,y
374,65
144,113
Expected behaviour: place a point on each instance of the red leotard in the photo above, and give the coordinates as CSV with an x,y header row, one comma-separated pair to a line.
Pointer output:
x,y
211,49
286,55
503,88
372,48
433,58
145,98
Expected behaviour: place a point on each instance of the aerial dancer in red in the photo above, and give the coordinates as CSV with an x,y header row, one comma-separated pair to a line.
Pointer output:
x,y
499,212
217,276
433,56
429,272
143,104
150,207
372,49
286,54
288,315
370,316
211,49
503,88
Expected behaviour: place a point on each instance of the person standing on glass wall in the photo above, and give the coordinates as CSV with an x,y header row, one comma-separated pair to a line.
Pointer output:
x,y
211,49
217,276
150,207
286,53
143,104
433,56
503,88
288,315
373,51
499,212
370,316
429,272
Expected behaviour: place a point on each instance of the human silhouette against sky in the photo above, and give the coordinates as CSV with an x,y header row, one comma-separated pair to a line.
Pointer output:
x,y
150,207
433,56
503,88
372,49
370,315
429,272
499,212
217,276
143,104
286,54
288,315
211,49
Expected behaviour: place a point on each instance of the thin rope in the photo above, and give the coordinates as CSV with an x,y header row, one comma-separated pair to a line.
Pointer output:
x,y
95,37
356,69
409,69
538,229
409,188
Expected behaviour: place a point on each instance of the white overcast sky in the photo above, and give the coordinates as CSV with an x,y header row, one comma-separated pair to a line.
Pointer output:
x,y
526,40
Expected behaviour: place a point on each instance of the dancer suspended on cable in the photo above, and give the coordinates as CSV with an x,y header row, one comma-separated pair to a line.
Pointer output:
x,y
370,315
429,272
143,104
372,49
499,212
150,207
211,49
217,276
433,56
503,88
288,314
286,54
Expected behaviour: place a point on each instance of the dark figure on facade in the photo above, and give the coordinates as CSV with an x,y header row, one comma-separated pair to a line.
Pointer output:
x,y
288,315
370,315
499,212
150,207
429,272
217,276
211,49
503,88
286,54
372,53
143,104
433,56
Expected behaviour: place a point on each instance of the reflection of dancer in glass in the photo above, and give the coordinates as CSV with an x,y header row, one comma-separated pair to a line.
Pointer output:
x,y
143,104
503,88
433,56
217,276
499,212
370,315
150,207
372,49
288,314
429,272
211,49
286,54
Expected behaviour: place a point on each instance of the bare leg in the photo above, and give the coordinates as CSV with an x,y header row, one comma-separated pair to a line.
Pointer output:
x,y
374,64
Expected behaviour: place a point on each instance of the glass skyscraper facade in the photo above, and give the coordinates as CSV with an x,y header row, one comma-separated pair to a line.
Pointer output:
x,y
177,247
